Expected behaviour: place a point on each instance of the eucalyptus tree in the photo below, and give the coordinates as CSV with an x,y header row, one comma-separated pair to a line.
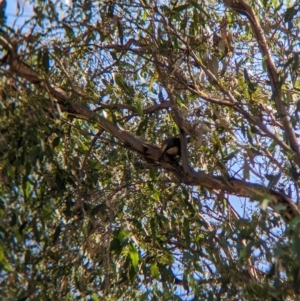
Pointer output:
x,y
92,208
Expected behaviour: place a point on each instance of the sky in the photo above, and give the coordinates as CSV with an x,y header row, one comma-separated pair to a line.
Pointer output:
x,y
12,9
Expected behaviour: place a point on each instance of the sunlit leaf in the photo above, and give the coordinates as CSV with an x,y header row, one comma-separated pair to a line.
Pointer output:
x,y
134,255
154,270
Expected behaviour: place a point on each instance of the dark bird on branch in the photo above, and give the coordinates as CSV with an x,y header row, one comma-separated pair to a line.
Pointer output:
x,y
170,149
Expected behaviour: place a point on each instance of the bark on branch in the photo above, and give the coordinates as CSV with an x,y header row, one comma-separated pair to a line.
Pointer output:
x,y
243,8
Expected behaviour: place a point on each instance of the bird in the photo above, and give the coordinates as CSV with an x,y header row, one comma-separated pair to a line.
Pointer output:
x,y
170,149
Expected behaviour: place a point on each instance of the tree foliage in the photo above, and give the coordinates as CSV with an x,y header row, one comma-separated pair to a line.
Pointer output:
x,y
88,208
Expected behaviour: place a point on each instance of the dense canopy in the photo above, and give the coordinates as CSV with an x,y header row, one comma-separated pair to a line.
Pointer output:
x,y
91,207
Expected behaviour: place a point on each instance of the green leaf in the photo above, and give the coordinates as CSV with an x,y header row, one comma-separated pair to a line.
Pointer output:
x,y
56,234
113,156
167,259
56,142
153,225
197,5
249,136
296,246
186,230
154,270
185,282
128,89
296,280
45,60
14,220
296,62
231,155
69,31
134,256
246,170
115,245
280,207
181,7
8,267
156,195
144,15
125,241
289,14
27,189
95,297
139,108
265,203
2,257
294,222
145,295
120,31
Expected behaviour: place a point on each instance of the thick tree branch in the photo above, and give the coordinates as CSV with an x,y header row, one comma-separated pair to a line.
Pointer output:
x,y
241,188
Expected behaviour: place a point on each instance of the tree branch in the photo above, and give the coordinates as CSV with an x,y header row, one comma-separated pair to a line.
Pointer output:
x,y
242,7
151,152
